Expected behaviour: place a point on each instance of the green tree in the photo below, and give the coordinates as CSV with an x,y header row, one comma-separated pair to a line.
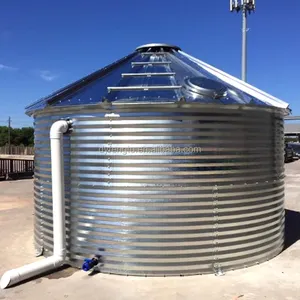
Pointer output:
x,y
28,136
18,136
3,135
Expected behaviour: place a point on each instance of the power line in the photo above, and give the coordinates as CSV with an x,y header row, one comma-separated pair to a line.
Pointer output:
x,y
9,122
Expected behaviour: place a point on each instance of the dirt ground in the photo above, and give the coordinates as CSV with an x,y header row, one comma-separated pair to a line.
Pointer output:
x,y
276,279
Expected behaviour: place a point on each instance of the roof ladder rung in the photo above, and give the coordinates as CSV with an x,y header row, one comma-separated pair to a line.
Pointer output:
x,y
150,63
143,88
153,53
147,74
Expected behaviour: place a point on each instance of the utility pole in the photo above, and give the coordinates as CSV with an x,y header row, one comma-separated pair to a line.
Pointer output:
x,y
9,123
246,6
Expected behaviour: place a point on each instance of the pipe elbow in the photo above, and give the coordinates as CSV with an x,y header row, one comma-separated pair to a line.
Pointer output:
x,y
58,128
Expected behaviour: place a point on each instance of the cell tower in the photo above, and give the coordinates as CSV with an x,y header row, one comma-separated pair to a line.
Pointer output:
x,y
246,7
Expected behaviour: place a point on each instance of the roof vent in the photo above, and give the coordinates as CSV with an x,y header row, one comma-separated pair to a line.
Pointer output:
x,y
201,86
156,47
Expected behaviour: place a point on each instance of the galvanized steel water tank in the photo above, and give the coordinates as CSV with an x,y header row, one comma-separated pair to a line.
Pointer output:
x,y
172,167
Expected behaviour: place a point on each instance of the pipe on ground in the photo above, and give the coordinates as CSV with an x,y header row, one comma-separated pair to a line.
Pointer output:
x,y
15,276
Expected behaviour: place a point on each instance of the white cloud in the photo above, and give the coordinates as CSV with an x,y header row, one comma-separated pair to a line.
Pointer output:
x,y
47,75
7,68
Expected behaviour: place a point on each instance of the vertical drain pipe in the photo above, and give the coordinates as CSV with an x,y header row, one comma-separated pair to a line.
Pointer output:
x,y
58,203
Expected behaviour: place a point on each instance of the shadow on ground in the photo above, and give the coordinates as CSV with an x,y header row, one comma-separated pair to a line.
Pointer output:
x,y
292,227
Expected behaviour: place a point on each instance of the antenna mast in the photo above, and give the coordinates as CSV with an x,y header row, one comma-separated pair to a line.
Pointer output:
x,y
246,7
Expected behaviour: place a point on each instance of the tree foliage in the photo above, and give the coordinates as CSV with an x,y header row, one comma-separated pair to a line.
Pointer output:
x,y
18,136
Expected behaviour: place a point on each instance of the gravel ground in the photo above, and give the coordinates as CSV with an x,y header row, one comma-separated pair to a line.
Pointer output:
x,y
277,279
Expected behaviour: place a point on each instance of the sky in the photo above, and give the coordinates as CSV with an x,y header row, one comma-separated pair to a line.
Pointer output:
x,y
45,45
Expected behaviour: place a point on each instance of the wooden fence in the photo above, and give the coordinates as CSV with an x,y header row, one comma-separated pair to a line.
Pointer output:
x,y
16,167
17,150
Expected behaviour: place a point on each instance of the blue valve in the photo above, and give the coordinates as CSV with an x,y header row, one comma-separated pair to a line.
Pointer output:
x,y
89,263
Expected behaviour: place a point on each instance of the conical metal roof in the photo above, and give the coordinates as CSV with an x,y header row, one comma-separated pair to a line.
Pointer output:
x,y
157,73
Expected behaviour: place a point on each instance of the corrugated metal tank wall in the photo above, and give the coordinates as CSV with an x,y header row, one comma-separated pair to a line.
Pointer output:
x,y
166,211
